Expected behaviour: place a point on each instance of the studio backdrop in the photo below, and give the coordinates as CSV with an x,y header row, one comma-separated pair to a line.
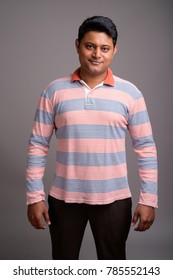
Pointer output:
x,y
38,46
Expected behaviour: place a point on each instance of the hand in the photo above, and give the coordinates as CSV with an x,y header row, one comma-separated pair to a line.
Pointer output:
x,y
146,215
36,213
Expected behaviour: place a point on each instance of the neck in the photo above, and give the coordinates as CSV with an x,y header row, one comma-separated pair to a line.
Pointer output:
x,y
92,80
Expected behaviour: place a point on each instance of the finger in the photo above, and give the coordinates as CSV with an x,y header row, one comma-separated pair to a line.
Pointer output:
x,y
139,228
39,223
36,222
149,225
33,222
142,226
134,220
47,218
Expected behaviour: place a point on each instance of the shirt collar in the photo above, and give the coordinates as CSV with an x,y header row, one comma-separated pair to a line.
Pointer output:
x,y
109,80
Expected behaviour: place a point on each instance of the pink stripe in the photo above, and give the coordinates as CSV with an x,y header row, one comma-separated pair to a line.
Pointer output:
x,y
45,130
58,80
91,172
148,174
140,130
138,106
67,94
91,145
149,199
149,151
37,150
90,117
94,198
33,197
113,94
34,173
45,105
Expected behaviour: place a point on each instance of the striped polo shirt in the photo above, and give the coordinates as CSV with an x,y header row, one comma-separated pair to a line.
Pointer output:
x,y
90,126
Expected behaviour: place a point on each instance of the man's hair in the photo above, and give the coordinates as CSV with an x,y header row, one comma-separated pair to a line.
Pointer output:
x,y
99,24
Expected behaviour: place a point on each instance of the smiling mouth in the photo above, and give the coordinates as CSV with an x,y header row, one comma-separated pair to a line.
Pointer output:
x,y
95,62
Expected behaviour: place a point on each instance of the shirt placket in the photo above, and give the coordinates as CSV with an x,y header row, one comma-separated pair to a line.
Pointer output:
x,y
89,100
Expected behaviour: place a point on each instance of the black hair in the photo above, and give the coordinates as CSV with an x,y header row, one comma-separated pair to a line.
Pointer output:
x,y
99,24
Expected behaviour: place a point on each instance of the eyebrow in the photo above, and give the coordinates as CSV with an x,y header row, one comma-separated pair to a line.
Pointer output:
x,y
104,45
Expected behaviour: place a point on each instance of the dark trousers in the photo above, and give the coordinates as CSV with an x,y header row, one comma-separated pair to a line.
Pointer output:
x,y
109,223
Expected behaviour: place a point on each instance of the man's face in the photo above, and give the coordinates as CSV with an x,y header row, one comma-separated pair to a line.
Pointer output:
x,y
96,51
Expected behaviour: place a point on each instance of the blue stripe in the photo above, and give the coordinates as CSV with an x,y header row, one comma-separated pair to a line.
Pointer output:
x,y
128,88
147,162
142,142
69,105
68,84
59,85
38,140
149,187
33,161
91,131
44,117
91,186
97,104
34,185
91,159
138,118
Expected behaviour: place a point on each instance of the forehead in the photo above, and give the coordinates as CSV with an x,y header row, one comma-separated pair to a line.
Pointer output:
x,y
98,38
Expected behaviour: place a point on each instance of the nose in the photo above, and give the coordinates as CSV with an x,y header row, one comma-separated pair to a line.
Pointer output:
x,y
96,53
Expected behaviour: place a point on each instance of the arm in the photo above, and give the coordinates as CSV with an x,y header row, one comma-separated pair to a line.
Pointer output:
x,y
42,130
145,149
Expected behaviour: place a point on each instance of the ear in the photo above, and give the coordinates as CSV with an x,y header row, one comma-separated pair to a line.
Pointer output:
x,y
115,50
77,45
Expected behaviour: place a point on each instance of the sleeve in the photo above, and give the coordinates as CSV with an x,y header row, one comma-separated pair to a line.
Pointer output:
x,y
42,130
144,146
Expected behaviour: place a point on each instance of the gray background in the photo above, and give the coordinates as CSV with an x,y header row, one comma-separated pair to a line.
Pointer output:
x,y
37,46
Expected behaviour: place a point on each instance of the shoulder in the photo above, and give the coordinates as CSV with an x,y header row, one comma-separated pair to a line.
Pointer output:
x,y
127,87
57,85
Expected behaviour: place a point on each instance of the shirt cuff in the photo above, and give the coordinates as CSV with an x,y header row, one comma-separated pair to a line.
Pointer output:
x,y
33,197
149,199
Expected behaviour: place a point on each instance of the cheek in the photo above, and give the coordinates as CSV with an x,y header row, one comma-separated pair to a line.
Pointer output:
x,y
82,54
108,58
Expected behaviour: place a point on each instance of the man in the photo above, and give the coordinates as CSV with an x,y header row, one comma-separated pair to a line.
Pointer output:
x,y
90,112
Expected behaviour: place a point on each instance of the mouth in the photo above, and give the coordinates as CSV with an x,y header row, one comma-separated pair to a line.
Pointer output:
x,y
95,62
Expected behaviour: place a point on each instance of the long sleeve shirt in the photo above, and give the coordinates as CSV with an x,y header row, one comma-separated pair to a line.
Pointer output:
x,y
90,127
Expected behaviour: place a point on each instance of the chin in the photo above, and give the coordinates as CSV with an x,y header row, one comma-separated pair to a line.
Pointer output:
x,y
96,70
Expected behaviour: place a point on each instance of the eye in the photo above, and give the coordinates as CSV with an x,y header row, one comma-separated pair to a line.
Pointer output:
x,y
89,46
105,49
